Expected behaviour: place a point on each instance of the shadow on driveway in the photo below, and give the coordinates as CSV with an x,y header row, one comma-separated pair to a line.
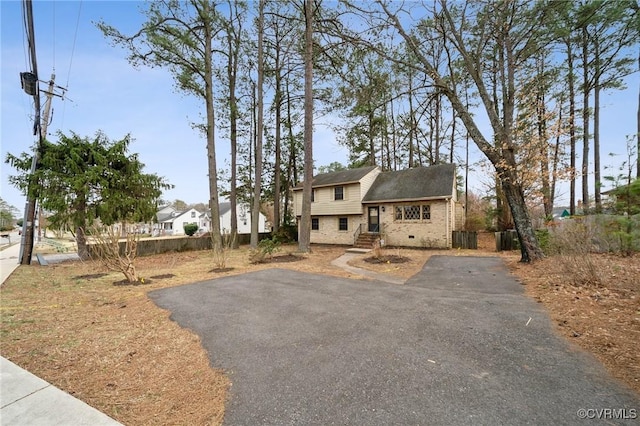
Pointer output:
x,y
458,344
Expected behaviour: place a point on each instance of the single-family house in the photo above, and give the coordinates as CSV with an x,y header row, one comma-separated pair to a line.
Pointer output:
x,y
409,208
243,215
171,221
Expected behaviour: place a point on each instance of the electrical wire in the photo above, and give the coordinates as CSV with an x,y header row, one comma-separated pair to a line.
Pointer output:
x,y
53,36
73,49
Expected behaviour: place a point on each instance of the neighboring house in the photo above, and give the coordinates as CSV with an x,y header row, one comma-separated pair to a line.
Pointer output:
x,y
243,216
171,222
410,208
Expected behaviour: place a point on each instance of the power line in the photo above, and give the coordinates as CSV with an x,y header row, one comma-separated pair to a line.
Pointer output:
x,y
53,36
73,49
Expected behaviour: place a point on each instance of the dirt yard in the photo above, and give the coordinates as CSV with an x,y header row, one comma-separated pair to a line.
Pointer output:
x,y
78,327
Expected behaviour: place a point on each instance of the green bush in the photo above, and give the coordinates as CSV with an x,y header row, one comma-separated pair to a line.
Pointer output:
x,y
265,249
269,246
190,228
544,240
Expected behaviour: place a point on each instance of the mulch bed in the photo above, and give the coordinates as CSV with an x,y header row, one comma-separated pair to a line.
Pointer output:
x,y
390,258
285,258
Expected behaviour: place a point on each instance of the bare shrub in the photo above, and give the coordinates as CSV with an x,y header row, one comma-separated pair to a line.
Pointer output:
x,y
376,249
222,253
106,249
572,242
256,256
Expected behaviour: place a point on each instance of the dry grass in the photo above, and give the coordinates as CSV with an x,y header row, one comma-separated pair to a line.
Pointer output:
x,y
602,318
110,346
75,325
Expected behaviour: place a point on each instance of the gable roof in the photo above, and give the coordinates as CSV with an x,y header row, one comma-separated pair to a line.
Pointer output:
x,y
166,216
225,207
413,184
340,177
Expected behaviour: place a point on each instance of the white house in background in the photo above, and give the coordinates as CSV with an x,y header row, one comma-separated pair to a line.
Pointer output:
x,y
171,221
243,215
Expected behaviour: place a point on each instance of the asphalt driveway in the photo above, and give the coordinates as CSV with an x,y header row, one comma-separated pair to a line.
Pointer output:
x,y
459,343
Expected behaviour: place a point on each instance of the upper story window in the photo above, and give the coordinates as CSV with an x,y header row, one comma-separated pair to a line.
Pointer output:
x,y
313,195
338,193
193,214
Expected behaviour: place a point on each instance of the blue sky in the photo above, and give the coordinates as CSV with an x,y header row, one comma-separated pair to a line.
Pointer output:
x,y
106,93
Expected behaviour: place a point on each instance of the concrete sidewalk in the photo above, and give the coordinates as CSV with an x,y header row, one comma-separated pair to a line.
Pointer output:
x,y
28,400
9,260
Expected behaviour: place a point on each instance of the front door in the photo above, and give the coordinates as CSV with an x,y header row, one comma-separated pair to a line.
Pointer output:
x,y
374,219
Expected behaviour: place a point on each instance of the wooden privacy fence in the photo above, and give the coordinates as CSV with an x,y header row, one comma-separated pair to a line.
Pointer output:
x,y
465,239
507,240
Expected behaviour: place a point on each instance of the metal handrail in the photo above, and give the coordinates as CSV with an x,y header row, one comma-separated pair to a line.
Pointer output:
x,y
357,233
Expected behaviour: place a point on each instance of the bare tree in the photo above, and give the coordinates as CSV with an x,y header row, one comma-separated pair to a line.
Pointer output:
x,y
178,36
508,29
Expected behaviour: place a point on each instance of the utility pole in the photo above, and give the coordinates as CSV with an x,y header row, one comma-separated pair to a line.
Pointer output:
x,y
45,124
30,84
26,244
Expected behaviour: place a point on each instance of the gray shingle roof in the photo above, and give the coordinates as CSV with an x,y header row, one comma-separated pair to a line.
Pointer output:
x,y
413,184
163,217
343,176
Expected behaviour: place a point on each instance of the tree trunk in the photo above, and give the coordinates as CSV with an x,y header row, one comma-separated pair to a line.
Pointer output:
x,y
304,239
529,248
541,110
232,72
437,119
278,142
255,211
211,146
412,119
585,121
596,128
81,240
372,145
292,176
453,136
572,129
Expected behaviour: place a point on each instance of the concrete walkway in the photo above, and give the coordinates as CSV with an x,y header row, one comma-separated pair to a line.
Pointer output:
x,y
9,259
343,262
28,400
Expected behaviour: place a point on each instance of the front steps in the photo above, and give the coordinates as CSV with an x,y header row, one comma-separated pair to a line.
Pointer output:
x,y
366,240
